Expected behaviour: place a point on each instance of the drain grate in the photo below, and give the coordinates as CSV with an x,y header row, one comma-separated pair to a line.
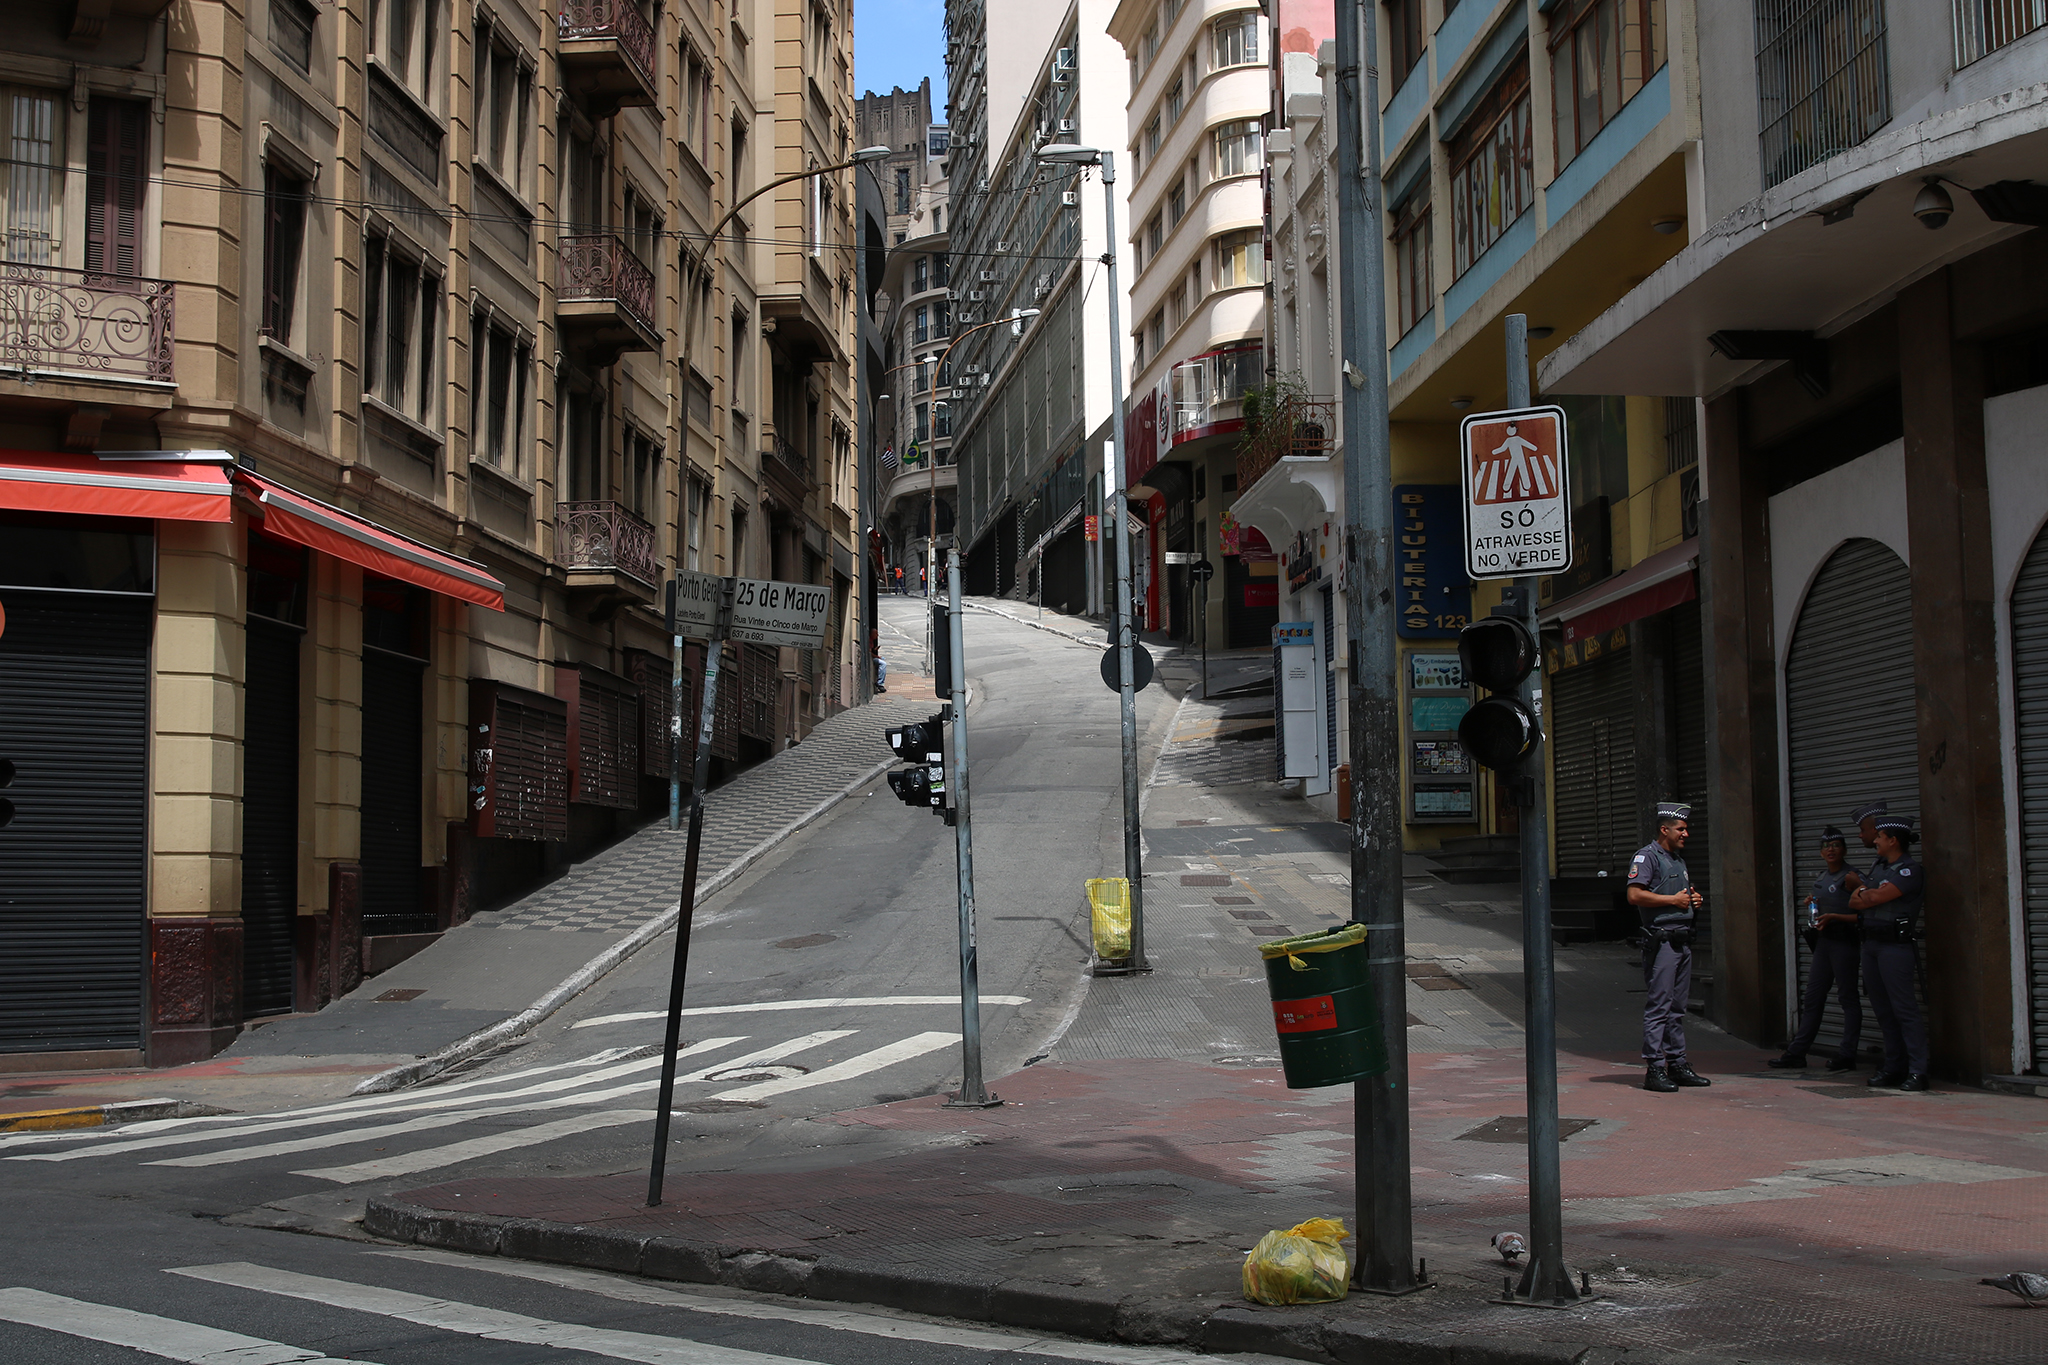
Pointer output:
x,y
1514,1128
399,997
1204,879
1235,900
1249,914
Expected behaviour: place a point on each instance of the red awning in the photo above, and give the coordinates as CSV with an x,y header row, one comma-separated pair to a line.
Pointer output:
x,y
1661,582
168,487
308,521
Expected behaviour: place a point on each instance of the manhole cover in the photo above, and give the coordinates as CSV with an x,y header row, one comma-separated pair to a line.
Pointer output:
x,y
1235,900
1271,930
1204,879
399,997
806,941
1249,914
1432,977
1514,1128
779,1071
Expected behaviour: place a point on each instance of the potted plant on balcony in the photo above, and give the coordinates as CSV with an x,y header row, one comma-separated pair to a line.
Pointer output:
x,y
1279,416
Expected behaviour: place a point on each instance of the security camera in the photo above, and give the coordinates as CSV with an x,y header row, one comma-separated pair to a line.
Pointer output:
x,y
1932,206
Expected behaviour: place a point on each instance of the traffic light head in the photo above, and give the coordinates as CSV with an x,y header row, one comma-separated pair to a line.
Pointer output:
x,y
921,741
1498,732
924,785
1497,653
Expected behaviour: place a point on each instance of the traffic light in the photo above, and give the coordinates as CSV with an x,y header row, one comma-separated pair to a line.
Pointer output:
x,y
1497,653
923,742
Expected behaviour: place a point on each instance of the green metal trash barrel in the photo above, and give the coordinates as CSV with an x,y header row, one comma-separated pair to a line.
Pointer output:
x,y
1324,1009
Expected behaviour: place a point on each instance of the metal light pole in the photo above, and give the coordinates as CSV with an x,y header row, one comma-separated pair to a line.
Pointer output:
x,y
1545,1280
973,1094
1127,696
1386,1233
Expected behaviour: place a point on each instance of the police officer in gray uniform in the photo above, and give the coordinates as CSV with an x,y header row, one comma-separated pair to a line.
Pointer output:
x,y
1660,889
1837,947
1889,906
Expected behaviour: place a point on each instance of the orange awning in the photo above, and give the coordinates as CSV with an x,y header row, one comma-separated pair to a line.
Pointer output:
x,y
330,530
163,485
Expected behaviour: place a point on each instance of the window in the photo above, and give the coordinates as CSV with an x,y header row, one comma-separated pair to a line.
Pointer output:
x,y
291,32
1148,49
643,227
698,514
643,471
1821,80
1240,259
1155,331
1177,202
921,376
1152,138
1491,180
1155,233
938,220
401,38
1169,10
939,271
922,430
697,105
1176,97
401,312
1405,37
1414,278
903,189
1237,38
1239,147
116,184
33,176
942,319
1601,53
920,274
1137,350
500,360
921,332
1984,26
504,109
1180,305
821,40
284,234
1681,435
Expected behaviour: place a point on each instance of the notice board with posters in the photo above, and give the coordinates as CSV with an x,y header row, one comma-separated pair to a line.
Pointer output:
x,y
1435,697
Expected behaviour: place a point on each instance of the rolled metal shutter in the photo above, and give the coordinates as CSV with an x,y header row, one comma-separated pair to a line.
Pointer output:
x,y
518,763
392,735
1329,675
1850,725
726,706
270,815
1687,663
2030,696
652,678
1593,743
604,736
74,718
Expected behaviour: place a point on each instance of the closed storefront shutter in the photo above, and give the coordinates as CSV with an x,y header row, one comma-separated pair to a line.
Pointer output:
x,y
757,678
1329,643
1849,719
1689,738
2030,695
652,676
392,733
727,705
604,736
518,762
74,720
1593,709
270,815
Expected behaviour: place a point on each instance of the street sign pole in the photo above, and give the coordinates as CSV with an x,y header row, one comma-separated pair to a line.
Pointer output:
x,y
700,773
973,1094
1546,1281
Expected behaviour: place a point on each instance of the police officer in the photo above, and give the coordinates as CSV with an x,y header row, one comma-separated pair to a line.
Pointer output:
x,y
1661,890
1889,906
1832,936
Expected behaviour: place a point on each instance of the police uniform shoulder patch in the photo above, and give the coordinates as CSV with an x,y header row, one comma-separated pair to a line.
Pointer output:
x,y
1639,858
1905,872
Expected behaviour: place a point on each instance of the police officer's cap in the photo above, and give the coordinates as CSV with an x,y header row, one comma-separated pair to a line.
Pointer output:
x,y
1901,825
1672,810
1865,812
1832,835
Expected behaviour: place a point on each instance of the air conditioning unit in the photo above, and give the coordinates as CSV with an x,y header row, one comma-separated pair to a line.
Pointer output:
x,y
1002,246
1063,66
984,381
1041,287
963,319
974,369
976,295
1067,125
981,185
988,277
1070,197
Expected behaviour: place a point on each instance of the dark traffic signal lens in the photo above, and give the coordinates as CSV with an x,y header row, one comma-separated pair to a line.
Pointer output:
x,y
1496,653
1498,732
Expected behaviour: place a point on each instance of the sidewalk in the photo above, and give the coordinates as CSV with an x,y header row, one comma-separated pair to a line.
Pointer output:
x,y
1774,1217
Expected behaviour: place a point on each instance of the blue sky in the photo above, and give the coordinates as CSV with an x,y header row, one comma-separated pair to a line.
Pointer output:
x,y
900,42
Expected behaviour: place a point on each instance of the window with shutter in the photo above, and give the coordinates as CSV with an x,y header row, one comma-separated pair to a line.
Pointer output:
x,y
284,232
116,178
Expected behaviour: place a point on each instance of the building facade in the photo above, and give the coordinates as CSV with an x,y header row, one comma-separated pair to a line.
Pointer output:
x,y
372,403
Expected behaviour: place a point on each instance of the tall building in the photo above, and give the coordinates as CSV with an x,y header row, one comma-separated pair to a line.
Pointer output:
x,y
1195,129
359,400
1859,298
1030,398
901,121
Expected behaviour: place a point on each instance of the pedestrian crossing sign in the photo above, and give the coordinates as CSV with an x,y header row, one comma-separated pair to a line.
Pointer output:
x,y
1517,493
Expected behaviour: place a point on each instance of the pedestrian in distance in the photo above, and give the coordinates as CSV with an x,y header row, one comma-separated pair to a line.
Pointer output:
x,y
1889,906
1832,937
1661,890
899,580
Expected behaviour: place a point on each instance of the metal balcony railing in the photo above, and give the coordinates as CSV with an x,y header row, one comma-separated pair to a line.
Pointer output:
x,y
604,535
1984,26
1294,426
600,266
782,450
106,326
618,20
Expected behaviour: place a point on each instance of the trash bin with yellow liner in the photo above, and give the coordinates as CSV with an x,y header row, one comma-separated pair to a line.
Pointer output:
x,y
1324,1009
1109,915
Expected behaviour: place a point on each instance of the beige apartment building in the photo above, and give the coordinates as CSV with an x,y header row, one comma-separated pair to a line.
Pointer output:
x,y
365,370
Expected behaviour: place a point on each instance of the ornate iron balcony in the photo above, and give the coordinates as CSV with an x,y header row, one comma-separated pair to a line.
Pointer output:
x,y
604,535
106,326
599,266
618,20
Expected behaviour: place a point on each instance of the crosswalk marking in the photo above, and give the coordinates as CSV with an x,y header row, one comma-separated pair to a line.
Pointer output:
x,y
772,1054
890,1054
472,1320
431,1158
769,1006
146,1332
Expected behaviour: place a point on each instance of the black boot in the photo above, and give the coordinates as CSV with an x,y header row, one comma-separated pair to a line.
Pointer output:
x,y
1842,1064
1656,1080
1885,1080
1681,1073
1915,1081
1788,1062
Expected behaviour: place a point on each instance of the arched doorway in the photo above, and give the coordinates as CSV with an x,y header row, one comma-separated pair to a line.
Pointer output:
x,y
1850,726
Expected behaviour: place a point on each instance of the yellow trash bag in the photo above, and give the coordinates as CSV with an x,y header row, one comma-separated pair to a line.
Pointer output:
x,y
1305,1264
1109,906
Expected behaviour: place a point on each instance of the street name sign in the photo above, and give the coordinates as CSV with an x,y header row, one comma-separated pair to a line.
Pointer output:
x,y
1517,493
765,612
696,597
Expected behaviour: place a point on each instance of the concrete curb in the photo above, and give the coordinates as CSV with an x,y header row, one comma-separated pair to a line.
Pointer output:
x,y
89,1116
1303,1332
491,1035
1038,625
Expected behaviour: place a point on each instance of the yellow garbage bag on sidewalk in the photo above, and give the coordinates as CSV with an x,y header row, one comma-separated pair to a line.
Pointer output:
x,y
1305,1264
1109,907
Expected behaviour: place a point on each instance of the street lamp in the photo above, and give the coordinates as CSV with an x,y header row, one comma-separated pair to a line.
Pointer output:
x,y
1068,154
692,268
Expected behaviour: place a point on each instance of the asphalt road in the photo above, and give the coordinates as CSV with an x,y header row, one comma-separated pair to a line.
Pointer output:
x,y
824,979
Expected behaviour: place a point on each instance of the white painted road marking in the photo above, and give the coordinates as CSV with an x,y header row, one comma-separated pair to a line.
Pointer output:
x,y
146,1332
769,1006
914,1046
472,1320
432,1158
